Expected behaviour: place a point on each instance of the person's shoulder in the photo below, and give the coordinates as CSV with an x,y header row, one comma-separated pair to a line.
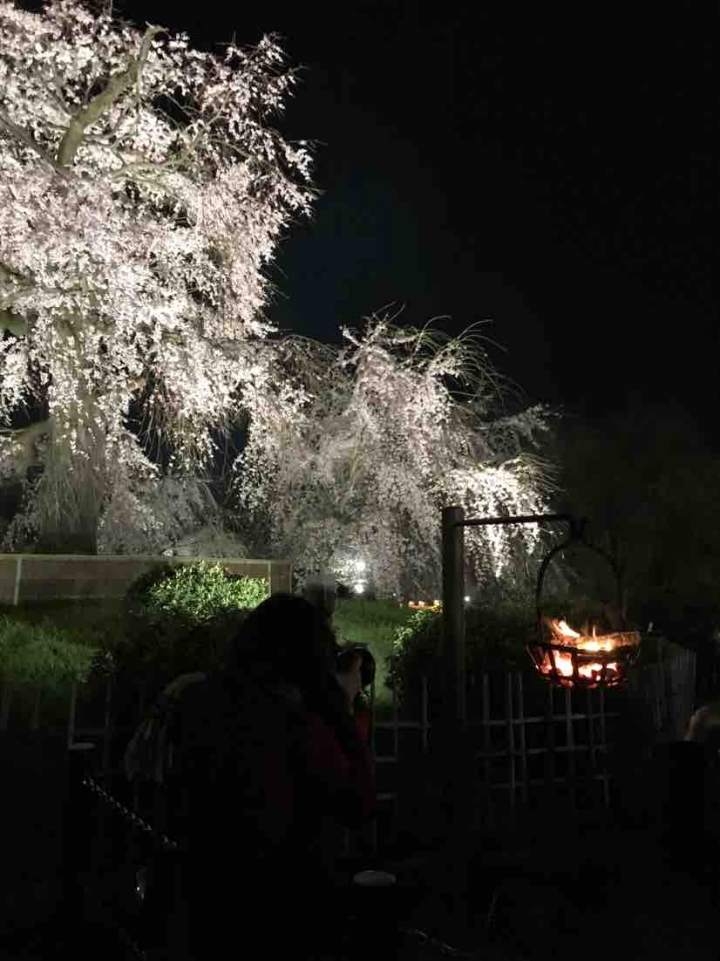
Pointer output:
x,y
185,681
195,698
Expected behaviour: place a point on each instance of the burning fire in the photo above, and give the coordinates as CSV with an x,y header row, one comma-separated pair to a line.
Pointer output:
x,y
587,643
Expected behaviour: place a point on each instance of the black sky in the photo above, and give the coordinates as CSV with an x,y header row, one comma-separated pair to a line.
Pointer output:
x,y
549,166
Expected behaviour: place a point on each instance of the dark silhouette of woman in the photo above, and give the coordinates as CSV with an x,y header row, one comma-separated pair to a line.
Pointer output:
x,y
267,749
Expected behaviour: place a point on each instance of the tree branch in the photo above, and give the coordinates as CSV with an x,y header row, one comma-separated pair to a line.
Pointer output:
x,y
25,138
12,323
16,325
6,271
24,456
117,85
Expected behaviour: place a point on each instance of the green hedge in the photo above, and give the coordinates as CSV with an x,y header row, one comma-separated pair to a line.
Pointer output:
x,y
44,655
173,619
194,593
495,640
180,619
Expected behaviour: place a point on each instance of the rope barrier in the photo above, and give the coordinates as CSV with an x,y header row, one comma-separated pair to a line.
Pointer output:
x,y
130,942
137,821
440,946
130,815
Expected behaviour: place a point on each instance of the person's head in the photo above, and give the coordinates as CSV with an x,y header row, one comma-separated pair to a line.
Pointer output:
x,y
205,646
321,592
286,638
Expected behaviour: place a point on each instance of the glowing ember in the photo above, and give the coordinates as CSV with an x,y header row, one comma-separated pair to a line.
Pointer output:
x,y
569,654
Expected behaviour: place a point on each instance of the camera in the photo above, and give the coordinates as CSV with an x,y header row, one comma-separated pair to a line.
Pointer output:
x,y
344,659
322,594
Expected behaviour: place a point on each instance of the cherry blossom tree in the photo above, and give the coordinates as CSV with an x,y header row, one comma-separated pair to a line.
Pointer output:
x,y
143,191
377,437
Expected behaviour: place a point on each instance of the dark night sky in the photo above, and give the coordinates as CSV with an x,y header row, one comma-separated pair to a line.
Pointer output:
x,y
551,169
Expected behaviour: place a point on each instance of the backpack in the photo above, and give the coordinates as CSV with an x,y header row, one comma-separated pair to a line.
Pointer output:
x,y
150,754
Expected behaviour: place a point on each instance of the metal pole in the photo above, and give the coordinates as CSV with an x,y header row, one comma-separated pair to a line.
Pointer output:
x,y
453,551
454,753
453,746
71,715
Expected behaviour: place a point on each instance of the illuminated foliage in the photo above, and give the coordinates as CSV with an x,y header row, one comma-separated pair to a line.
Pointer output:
x,y
142,194
383,433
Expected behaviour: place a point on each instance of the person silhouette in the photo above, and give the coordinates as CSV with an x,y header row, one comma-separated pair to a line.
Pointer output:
x,y
268,748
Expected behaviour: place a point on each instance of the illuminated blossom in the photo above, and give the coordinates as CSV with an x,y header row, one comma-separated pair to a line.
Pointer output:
x,y
380,436
142,194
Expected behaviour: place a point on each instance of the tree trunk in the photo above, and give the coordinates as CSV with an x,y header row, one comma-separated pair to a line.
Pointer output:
x,y
68,541
70,492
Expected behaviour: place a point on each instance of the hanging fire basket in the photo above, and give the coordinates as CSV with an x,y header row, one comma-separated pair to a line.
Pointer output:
x,y
586,656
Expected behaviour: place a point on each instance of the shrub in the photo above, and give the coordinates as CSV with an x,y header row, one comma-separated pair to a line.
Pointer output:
x,y
195,592
90,621
43,655
495,639
178,618
415,648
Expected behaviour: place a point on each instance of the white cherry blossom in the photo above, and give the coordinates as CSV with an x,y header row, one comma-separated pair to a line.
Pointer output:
x,y
143,191
378,438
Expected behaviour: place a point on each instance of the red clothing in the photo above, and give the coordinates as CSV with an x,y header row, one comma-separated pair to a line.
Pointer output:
x,y
346,783
363,720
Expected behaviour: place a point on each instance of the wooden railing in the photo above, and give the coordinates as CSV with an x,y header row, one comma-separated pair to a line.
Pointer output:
x,y
45,577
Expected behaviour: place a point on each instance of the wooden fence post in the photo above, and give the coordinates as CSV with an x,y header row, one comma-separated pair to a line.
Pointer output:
x,y
523,737
454,752
107,724
453,563
570,745
591,770
550,786
71,714
603,741
18,580
35,718
77,834
424,713
510,727
6,698
487,747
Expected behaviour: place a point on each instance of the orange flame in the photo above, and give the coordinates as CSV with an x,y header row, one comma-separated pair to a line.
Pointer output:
x,y
587,641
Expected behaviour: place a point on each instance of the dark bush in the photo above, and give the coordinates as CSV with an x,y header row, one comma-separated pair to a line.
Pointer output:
x,y
180,619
